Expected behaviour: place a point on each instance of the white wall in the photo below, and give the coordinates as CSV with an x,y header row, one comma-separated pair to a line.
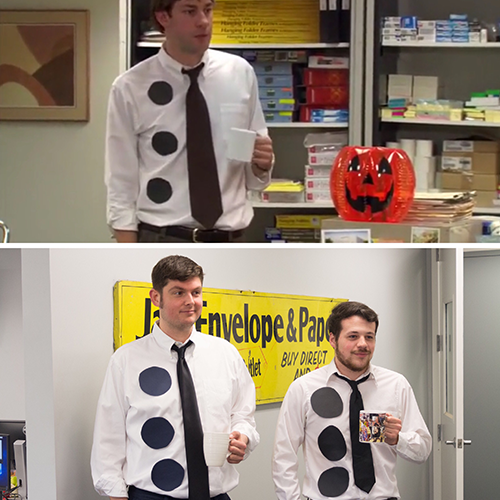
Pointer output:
x,y
393,282
51,173
38,357
12,392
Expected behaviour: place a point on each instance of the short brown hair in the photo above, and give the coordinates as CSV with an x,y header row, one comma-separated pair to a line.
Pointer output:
x,y
346,310
160,6
174,267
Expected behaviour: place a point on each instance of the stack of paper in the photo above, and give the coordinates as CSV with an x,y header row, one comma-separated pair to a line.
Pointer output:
x,y
441,207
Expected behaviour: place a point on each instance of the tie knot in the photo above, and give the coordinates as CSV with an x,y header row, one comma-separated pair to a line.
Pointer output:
x,y
353,383
193,73
181,350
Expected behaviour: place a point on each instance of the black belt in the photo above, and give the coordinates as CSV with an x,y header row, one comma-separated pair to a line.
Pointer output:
x,y
194,234
148,495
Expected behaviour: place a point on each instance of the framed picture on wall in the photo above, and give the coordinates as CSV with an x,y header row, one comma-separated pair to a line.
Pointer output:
x,y
44,65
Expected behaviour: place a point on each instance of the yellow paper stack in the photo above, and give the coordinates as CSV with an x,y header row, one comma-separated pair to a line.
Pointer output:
x,y
270,21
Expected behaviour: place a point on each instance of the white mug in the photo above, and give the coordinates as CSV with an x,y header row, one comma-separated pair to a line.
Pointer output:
x,y
215,446
240,144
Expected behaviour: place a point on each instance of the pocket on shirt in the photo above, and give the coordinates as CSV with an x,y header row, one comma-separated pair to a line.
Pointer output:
x,y
219,404
233,116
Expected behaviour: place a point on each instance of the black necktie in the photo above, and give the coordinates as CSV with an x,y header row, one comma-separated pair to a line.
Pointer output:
x,y
193,433
204,188
362,460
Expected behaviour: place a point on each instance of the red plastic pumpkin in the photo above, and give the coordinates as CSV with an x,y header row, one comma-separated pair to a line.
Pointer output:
x,y
372,184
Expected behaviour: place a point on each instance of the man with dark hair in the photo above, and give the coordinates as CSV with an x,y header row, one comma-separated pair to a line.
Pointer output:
x,y
168,180
143,436
321,412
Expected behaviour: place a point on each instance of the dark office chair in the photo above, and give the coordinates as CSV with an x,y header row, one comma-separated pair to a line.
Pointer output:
x,y
6,231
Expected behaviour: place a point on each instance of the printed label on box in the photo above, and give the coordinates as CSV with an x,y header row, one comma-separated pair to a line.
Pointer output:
x,y
456,164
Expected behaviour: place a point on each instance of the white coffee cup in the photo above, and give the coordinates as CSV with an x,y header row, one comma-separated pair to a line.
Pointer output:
x,y
215,446
240,144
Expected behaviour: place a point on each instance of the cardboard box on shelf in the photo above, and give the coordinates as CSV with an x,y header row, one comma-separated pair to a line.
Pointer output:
x,y
481,163
400,86
471,146
456,181
485,198
318,196
469,181
425,87
317,183
317,170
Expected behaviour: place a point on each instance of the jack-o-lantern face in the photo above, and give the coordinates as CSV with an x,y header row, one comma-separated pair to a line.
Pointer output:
x,y
372,184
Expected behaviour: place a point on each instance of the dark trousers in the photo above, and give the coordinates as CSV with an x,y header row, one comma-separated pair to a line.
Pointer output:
x,y
145,235
138,494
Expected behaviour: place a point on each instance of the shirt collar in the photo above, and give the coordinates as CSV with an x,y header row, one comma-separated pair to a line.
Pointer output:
x,y
167,342
169,63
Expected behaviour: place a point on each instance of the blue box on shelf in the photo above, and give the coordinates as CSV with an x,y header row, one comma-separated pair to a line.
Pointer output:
x,y
278,116
409,22
278,104
459,17
322,113
330,119
276,92
275,80
272,68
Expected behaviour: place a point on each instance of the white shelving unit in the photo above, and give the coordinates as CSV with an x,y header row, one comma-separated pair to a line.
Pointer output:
x,y
439,45
435,125
329,204
308,125
416,121
252,46
266,204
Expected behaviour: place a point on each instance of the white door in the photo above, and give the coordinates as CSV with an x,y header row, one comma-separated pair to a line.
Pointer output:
x,y
447,310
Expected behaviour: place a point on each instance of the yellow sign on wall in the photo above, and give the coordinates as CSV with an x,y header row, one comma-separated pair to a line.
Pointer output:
x,y
272,21
280,337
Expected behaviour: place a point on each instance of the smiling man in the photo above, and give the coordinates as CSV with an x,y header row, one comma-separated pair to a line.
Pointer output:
x,y
158,387
321,412
168,174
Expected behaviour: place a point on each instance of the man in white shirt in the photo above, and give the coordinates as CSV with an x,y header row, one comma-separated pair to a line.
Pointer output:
x,y
315,414
148,192
139,450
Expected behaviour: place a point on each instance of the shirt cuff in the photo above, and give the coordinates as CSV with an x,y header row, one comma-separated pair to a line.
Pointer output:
x,y
124,220
112,487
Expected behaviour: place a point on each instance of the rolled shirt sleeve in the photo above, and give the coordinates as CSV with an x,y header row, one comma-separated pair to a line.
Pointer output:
x,y
122,163
288,438
258,124
242,418
415,441
109,445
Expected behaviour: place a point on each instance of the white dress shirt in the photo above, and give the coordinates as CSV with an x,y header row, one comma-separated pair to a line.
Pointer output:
x,y
146,158
226,400
299,424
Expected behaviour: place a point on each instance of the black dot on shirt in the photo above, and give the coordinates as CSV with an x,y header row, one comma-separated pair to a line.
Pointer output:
x,y
332,443
157,433
155,381
167,475
326,402
333,482
160,93
159,190
164,143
